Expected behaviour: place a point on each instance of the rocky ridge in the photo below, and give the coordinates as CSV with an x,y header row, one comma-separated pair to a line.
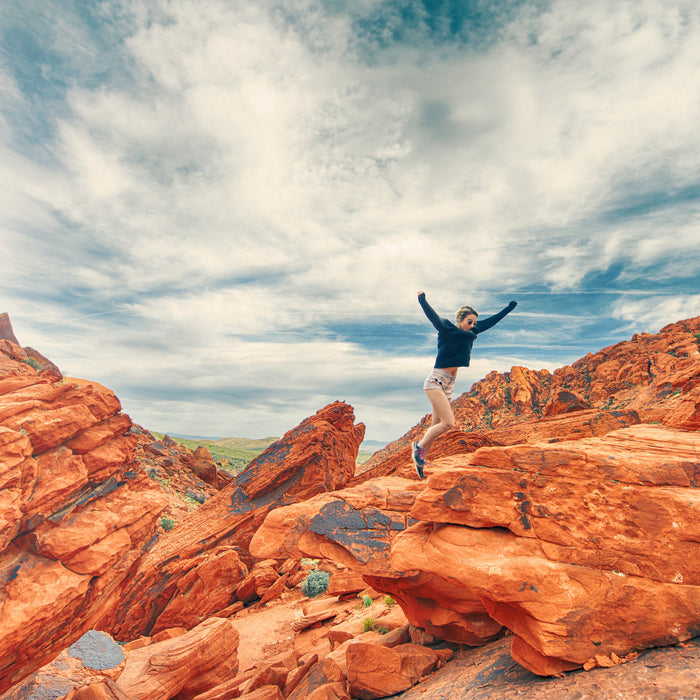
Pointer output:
x,y
651,378
557,529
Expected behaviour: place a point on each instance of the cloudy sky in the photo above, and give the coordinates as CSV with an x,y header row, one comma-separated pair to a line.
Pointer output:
x,y
223,209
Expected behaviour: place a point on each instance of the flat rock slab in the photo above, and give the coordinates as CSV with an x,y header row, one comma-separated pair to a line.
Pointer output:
x,y
489,673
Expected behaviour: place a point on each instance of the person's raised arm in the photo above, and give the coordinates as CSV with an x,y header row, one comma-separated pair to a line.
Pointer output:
x,y
486,323
430,312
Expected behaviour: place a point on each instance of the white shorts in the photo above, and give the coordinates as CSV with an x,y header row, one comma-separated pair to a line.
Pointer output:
x,y
440,379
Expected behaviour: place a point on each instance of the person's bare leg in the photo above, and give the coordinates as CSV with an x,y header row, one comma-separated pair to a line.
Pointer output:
x,y
443,418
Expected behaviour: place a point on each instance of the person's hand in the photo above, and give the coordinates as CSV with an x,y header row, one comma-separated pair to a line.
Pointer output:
x,y
420,294
512,305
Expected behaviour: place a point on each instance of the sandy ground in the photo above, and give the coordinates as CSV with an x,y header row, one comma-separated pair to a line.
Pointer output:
x,y
265,632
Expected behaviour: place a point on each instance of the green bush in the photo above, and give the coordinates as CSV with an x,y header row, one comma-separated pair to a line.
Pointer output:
x,y
315,583
366,601
167,523
368,624
389,601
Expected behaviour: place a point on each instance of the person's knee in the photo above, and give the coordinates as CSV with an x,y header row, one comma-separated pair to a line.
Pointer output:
x,y
447,423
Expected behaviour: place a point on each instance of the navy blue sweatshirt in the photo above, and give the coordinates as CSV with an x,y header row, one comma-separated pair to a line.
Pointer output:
x,y
453,344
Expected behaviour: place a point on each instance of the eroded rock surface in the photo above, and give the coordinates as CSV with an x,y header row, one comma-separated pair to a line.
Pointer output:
x,y
579,548
75,512
196,570
650,378
565,519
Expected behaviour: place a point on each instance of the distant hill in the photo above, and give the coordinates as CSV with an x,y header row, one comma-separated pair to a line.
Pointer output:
x,y
245,443
234,453
372,445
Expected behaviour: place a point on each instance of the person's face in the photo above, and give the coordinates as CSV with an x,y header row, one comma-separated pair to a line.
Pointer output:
x,y
468,322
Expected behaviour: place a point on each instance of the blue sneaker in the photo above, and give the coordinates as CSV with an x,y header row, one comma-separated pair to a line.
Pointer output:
x,y
418,456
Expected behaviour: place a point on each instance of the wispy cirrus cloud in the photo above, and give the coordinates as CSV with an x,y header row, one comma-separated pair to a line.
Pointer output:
x,y
195,194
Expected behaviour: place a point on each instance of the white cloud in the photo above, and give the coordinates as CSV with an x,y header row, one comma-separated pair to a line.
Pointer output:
x,y
652,312
223,173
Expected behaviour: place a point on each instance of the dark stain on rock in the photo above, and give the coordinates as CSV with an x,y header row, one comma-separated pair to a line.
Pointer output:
x,y
362,533
524,509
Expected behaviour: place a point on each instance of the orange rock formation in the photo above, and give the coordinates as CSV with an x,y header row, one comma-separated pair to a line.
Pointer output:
x,y
562,512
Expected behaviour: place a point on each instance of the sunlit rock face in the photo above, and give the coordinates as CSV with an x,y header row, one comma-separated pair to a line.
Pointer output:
x,y
196,570
576,531
75,512
563,512
580,548
650,378
80,542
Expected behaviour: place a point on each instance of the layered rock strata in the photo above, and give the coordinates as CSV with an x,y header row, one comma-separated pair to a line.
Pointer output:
x,y
653,377
196,570
580,549
75,512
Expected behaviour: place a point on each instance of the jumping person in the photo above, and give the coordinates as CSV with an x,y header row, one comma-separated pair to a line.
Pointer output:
x,y
454,346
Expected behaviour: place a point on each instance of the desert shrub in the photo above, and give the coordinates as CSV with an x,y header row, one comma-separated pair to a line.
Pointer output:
x,y
366,601
380,629
195,497
167,523
315,583
32,363
368,624
389,601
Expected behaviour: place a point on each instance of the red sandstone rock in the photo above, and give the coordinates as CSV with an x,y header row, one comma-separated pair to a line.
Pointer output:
x,y
330,691
602,530
291,460
204,466
260,578
170,633
656,376
6,332
170,586
231,688
271,673
617,508
565,401
296,674
104,690
568,426
650,378
86,669
322,673
170,463
274,590
43,364
28,354
488,672
377,672
47,603
72,521
354,527
267,692
184,666
344,582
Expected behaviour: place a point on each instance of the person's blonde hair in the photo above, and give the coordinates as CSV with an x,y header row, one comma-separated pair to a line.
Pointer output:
x,y
463,311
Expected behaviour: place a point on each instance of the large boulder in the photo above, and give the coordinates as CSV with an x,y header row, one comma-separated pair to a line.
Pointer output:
x,y
581,549
75,512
